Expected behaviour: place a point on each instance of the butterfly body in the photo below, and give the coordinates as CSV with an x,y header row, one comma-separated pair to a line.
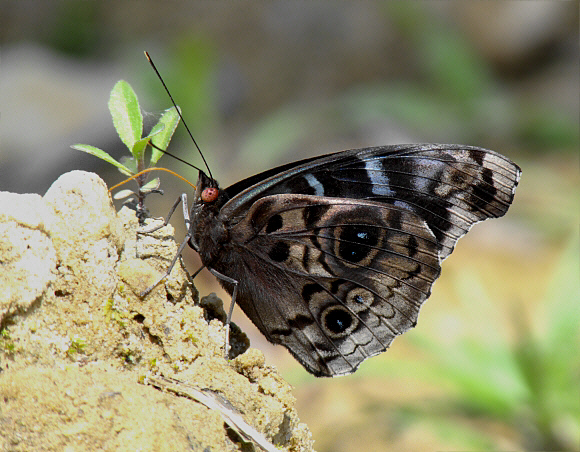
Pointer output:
x,y
333,256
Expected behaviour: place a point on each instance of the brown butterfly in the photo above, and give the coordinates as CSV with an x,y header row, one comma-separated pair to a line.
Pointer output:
x,y
333,256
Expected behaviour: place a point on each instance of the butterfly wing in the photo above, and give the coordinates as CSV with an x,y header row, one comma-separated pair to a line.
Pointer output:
x,y
450,186
335,255
334,280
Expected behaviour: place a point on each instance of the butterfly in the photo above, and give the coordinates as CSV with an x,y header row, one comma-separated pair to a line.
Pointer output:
x,y
333,256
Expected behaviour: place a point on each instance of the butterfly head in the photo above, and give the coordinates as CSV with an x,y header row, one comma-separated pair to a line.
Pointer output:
x,y
205,229
208,191
209,194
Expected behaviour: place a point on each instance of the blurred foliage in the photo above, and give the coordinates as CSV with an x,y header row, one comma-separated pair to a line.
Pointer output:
x,y
460,77
450,66
541,128
457,94
529,384
75,30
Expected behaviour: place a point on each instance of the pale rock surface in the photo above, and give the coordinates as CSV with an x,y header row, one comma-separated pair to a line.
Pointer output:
x,y
77,343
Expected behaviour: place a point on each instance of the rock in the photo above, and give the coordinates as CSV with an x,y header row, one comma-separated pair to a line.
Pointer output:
x,y
27,254
77,342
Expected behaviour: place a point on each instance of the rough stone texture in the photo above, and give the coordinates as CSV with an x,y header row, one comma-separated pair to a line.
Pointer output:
x,y
27,255
76,339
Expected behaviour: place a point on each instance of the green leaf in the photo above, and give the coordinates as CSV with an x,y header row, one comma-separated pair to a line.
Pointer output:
x,y
151,185
122,194
157,128
126,114
139,148
103,156
169,120
130,163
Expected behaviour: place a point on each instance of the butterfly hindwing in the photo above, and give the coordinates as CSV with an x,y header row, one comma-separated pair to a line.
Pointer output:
x,y
344,277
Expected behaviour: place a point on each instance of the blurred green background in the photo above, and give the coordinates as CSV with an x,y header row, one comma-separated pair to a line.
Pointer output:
x,y
494,362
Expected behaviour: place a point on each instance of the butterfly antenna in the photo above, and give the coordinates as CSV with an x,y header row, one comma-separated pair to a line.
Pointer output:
x,y
180,116
174,156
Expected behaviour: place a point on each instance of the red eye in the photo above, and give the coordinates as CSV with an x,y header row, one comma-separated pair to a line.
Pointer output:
x,y
209,194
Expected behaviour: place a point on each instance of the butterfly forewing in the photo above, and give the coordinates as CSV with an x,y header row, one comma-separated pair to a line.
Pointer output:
x,y
451,186
335,255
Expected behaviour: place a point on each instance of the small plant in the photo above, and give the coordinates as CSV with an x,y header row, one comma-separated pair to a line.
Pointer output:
x,y
112,313
77,345
128,355
128,121
6,343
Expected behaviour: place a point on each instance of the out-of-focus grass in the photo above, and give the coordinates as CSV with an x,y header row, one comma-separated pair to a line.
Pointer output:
x,y
529,383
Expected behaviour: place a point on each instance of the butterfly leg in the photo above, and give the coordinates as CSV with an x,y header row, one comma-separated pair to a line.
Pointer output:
x,y
183,200
231,311
177,256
